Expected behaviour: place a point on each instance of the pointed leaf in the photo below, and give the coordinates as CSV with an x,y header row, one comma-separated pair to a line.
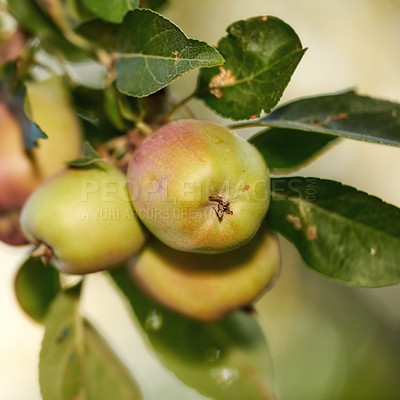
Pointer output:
x,y
154,52
111,10
61,356
287,149
261,54
346,114
15,97
36,286
228,359
339,231
108,378
75,362
90,156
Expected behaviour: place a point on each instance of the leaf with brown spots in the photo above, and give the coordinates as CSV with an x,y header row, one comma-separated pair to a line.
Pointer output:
x,y
341,232
153,52
261,54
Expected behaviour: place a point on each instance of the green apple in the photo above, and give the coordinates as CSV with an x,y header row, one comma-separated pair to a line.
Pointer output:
x,y
82,220
22,170
64,142
199,187
208,286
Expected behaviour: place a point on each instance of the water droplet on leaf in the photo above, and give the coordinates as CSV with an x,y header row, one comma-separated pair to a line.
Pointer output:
x,y
224,376
213,354
154,321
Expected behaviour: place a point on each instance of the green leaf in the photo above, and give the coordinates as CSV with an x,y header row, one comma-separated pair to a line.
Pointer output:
x,y
108,377
154,52
90,105
100,33
30,17
346,114
90,156
75,362
339,231
287,149
36,286
111,10
65,14
228,359
77,13
112,109
15,96
261,54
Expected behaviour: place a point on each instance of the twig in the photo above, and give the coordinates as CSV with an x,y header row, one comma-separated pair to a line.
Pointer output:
x,y
178,105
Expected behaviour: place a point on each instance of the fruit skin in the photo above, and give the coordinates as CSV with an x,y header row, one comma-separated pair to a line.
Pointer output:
x,y
65,138
18,177
199,187
10,230
85,217
21,170
208,286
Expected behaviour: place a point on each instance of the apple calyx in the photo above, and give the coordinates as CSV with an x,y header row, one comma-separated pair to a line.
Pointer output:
x,y
221,207
44,252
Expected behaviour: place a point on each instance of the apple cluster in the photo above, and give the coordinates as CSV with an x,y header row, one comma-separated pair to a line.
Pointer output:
x,y
187,217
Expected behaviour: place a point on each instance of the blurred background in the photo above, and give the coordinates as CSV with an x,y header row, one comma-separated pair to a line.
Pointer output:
x,y
328,341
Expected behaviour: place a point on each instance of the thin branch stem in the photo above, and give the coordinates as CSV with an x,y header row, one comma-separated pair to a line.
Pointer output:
x,y
179,105
144,129
247,124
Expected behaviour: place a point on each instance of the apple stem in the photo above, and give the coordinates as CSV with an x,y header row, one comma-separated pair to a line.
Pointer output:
x,y
44,252
144,129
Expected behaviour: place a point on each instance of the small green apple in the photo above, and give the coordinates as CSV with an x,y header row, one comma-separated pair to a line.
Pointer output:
x,y
22,170
82,219
61,125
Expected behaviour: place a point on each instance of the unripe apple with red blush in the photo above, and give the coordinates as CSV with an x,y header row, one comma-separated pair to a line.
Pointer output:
x,y
208,286
199,187
18,177
21,169
82,221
